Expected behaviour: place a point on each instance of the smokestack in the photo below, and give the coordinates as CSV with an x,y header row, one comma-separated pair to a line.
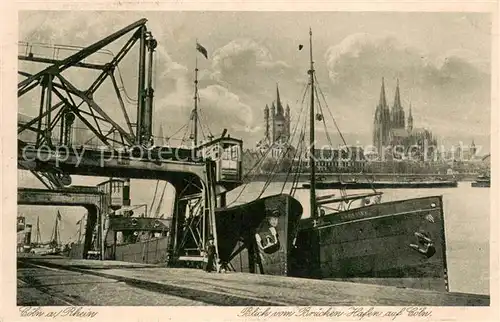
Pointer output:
x,y
126,192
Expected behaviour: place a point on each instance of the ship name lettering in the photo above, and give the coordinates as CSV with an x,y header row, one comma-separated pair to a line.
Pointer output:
x,y
363,214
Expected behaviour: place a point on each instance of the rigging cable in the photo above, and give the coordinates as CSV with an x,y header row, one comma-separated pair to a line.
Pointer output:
x,y
129,99
338,129
289,147
160,202
201,115
249,173
299,143
291,166
290,139
299,170
180,129
264,156
154,195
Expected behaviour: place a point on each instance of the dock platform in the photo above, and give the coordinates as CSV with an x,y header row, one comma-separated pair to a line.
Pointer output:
x,y
252,289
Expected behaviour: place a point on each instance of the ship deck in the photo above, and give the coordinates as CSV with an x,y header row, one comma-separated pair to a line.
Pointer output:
x,y
252,289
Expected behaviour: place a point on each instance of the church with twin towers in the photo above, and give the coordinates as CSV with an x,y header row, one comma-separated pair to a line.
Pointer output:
x,y
392,128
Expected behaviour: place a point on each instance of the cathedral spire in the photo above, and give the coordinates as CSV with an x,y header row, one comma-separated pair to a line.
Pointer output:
x,y
410,120
279,107
398,114
382,102
397,99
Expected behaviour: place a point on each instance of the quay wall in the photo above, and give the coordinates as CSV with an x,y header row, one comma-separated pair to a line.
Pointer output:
x,y
364,177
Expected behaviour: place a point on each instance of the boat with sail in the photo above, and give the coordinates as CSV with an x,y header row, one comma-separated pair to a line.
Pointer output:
x,y
37,246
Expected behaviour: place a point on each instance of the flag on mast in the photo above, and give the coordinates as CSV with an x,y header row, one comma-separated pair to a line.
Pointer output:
x,y
202,50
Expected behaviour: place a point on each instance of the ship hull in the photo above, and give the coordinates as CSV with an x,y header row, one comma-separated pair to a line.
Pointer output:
x,y
480,184
250,240
382,185
237,230
399,243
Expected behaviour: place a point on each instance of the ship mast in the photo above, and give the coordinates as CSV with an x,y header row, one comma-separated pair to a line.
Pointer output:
x,y
55,234
312,160
195,110
38,238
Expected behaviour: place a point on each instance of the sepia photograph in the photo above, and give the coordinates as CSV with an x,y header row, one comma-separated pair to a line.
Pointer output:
x,y
253,159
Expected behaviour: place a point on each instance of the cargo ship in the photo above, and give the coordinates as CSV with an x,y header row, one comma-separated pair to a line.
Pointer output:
x,y
359,237
349,237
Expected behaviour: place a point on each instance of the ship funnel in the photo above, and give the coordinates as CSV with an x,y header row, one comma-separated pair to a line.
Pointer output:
x,y
126,192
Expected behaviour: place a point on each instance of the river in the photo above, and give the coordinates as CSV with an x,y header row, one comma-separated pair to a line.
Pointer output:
x,y
467,226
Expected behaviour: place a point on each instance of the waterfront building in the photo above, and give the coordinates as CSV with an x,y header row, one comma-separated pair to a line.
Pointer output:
x,y
277,130
395,136
346,159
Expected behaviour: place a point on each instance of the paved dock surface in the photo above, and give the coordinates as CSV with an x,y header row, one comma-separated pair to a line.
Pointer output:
x,y
59,281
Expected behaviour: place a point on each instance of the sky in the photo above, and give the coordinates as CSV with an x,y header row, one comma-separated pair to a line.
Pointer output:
x,y
442,61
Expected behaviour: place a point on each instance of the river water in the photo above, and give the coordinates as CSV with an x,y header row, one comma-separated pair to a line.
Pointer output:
x,y
467,226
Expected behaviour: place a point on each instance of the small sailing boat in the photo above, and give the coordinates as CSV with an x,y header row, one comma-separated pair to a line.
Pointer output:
x,y
55,245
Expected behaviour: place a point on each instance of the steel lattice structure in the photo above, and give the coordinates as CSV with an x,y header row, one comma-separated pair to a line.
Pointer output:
x,y
61,102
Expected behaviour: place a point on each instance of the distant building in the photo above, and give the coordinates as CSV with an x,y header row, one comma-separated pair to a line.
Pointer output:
x,y
390,130
277,130
250,159
349,159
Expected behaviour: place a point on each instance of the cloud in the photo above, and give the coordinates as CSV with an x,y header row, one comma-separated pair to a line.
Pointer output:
x,y
454,86
236,86
361,56
221,104
225,106
245,65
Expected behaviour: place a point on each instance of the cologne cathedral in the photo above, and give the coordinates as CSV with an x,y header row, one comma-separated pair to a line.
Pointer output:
x,y
390,128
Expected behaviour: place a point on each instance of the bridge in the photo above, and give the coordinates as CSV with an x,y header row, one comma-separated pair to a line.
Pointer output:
x,y
124,149
91,199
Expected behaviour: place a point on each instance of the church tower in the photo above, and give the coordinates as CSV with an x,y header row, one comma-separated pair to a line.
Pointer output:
x,y
277,122
398,114
472,150
279,119
382,122
410,121
266,119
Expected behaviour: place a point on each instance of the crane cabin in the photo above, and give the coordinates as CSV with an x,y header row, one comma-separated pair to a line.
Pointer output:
x,y
116,191
226,152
